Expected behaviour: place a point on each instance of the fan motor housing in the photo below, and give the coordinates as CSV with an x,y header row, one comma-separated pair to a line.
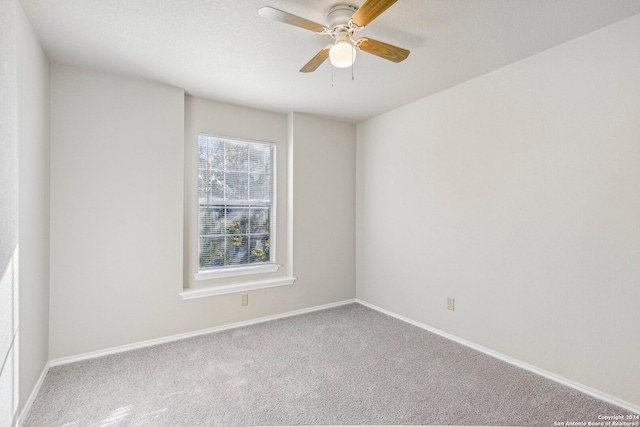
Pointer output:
x,y
339,15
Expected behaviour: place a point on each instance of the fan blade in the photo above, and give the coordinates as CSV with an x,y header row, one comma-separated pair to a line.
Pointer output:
x,y
370,10
316,61
287,18
383,50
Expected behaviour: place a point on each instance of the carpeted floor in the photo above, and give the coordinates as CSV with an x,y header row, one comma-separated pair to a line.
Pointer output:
x,y
348,365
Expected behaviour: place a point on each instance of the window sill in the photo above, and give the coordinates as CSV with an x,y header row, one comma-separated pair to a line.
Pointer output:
x,y
236,287
236,271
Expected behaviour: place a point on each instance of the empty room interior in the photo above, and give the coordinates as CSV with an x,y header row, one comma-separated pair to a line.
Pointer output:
x,y
276,212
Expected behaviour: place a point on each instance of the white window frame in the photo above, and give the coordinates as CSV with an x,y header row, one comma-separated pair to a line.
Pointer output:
x,y
255,268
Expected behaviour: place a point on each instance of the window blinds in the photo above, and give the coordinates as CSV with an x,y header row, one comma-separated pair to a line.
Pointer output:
x,y
235,196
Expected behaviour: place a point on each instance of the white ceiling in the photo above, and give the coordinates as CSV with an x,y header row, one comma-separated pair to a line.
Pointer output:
x,y
222,49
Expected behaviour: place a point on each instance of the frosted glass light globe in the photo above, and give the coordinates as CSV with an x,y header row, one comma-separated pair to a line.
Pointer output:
x,y
342,54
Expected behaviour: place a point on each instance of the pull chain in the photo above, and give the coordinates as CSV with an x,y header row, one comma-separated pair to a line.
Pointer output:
x,y
353,60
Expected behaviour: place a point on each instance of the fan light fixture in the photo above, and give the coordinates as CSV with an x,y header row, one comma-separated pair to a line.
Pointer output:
x,y
342,54
342,22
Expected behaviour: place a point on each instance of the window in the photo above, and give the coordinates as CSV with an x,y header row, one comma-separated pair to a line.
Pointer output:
x,y
238,200
236,205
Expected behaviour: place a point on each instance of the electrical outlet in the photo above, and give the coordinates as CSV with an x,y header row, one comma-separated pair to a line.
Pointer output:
x,y
451,304
244,299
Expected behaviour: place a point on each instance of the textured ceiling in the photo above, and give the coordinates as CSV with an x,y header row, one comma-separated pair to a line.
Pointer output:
x,y
222,49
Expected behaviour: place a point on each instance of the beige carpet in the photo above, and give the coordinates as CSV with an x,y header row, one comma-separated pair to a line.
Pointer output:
x,y
348,365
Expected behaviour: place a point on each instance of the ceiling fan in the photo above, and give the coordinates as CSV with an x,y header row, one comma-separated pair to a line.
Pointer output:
x,y
343,21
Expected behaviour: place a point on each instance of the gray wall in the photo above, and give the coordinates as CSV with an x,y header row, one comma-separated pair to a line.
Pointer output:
x,y
324,208
9,274
116,210
117,175
33,133
517,194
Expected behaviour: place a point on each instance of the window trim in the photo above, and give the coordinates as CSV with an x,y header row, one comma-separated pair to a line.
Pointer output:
x,y
231,288
234,271
245,269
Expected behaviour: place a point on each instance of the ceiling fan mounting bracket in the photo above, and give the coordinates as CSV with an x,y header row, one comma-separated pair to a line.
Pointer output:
x,y
339,15
339,22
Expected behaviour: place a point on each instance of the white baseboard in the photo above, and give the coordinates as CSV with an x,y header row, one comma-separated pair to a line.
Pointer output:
x,y
149,343
557,378
36,389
